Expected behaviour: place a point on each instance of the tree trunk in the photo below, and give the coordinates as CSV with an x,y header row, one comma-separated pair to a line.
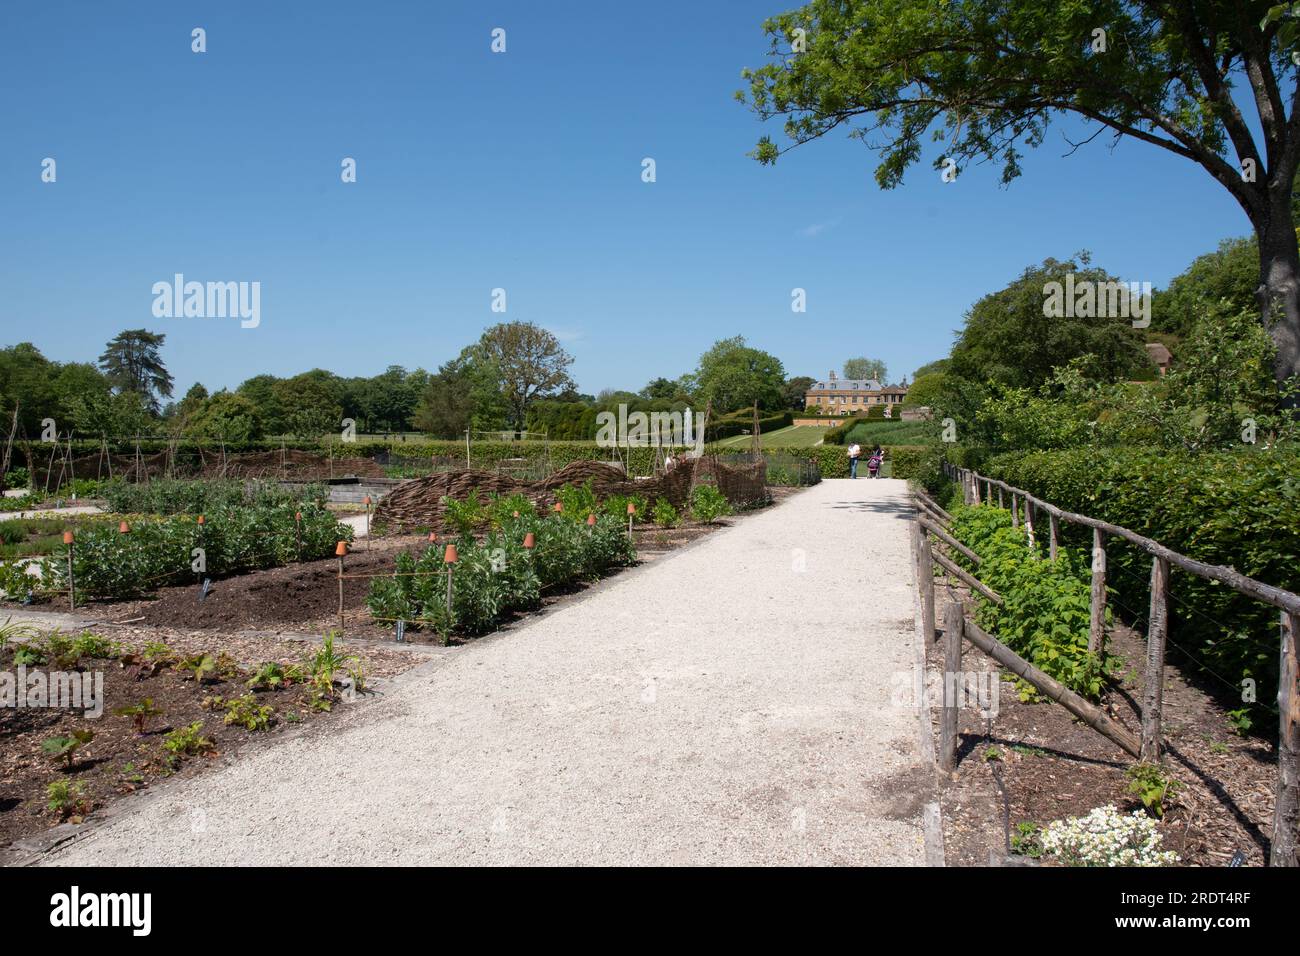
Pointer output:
x,y
1279,289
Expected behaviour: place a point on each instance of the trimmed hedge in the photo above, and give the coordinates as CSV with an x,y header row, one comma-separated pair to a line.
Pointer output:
x,y
1240,509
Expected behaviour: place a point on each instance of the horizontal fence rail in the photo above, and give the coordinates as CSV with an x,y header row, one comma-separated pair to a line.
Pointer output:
x,y
978,489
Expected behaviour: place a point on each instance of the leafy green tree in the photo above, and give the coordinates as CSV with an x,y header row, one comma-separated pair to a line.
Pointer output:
x,y
929,368
1009,340
1176,74
732,375
264,391
228,416
463,394
27,381
1219,282
311,404
928,389
529,363
795,390
865,368
133,364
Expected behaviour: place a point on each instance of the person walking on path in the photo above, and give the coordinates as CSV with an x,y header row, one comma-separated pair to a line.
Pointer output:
x,y
855,452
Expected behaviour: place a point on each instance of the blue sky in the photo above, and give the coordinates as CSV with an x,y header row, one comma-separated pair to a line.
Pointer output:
x,y
519,170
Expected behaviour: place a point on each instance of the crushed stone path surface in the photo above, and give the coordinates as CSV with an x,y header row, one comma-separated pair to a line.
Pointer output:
x,y
735,703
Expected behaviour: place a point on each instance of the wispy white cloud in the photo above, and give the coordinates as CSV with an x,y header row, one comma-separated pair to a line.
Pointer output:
x,y
566,334
816,229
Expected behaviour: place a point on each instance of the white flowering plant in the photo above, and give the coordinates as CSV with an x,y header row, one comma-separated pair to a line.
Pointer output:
x,y
1106,837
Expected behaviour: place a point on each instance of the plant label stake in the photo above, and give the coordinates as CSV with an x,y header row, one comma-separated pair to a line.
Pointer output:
x,y
367,503
72,590
401,632
297,529
205,589
340,550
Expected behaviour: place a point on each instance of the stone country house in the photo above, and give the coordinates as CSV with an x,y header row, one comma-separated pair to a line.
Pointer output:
x,y
840,396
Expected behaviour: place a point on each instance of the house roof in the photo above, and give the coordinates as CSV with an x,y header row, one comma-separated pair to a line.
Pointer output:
x,y
1159,352
846,384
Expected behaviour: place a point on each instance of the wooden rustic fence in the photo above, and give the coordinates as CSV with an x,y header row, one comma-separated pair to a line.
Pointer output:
x,y
1025,510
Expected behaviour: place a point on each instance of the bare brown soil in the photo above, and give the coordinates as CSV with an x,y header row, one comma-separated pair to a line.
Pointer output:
x,y
1052,766
120,759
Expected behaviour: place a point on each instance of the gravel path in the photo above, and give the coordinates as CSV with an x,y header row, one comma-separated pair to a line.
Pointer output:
x,y
728,705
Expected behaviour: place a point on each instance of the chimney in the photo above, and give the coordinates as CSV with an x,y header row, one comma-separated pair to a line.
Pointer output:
x,y
832,375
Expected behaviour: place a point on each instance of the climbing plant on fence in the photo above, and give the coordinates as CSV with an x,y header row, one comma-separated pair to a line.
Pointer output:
x,y
1239,509
1045,611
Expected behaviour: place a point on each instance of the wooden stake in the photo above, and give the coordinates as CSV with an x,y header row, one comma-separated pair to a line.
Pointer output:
x,y
966,578
1286,802
1051,541
925,581
1097,622
340,594
1153,691
1090,714
1015,512
953,632
948,539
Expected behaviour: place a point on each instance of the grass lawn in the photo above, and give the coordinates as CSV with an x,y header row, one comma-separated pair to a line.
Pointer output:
x,y
792,436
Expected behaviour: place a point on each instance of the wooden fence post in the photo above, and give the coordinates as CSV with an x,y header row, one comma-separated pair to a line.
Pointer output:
x,y
1097,621
1154,684
1001,504
954,622
1286,804
1029,524
925,580
1015,511
1051,540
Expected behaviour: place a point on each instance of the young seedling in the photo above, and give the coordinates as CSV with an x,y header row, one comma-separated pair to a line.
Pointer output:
x,y
140,713
187,741
68,800
200,667
64,748
247,713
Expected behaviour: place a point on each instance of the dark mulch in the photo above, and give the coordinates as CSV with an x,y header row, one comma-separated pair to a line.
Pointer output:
x,y
304,597
119,760
1052,766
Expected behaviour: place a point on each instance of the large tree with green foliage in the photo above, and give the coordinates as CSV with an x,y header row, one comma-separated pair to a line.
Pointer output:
x,y
733,375
866,368
133,363
988,77
530,364
1222,281
1008,340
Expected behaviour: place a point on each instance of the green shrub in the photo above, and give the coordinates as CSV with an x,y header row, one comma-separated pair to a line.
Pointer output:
x,y
497,575
1240,509
1046,607
170,496
665,515
708,504
578,501
156,553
